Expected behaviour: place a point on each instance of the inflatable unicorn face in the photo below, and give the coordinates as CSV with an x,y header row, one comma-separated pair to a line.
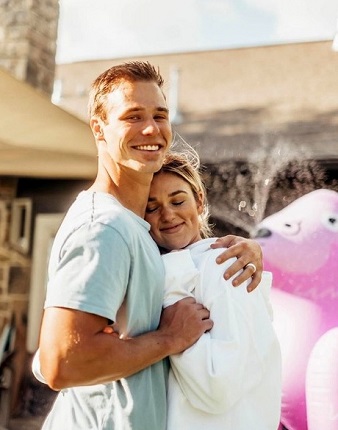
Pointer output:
x,y
301,237
300,248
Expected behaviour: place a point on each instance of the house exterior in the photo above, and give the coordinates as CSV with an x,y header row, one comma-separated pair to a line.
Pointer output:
x,y
46,156
252,114
224,101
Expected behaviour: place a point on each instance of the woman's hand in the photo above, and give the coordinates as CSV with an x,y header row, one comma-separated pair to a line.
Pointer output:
x,y
249,258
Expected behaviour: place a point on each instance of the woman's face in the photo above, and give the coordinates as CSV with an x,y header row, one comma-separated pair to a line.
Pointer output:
x,y
172,212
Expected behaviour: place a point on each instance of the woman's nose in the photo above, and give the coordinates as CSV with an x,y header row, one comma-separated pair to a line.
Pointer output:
x,y
167,214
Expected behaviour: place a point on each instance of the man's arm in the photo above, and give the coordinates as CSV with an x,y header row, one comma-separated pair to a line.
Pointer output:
x,y
75,350
247,251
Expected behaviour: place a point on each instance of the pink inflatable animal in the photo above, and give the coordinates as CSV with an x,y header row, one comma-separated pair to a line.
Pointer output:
x,y
300,248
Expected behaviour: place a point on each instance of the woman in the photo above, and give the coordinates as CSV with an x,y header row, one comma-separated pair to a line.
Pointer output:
x,y
231,378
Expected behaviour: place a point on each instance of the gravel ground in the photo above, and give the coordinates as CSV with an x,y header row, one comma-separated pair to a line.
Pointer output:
x,y
28,423
36,401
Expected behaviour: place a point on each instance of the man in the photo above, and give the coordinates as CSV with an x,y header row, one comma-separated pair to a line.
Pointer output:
x,y
104,266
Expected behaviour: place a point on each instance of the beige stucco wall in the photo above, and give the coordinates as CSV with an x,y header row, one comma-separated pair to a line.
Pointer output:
x,y
299,77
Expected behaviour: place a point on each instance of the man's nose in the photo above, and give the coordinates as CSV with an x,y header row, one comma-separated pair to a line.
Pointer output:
x,y
151,127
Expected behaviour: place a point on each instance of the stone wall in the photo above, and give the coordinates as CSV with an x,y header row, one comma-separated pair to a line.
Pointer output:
x,y
15,268
28,33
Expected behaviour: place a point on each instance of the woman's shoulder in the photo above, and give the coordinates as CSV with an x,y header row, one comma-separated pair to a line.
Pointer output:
x,y
201,246
201,251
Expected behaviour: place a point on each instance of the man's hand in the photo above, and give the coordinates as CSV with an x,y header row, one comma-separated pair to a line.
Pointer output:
x,y
185,322
247,251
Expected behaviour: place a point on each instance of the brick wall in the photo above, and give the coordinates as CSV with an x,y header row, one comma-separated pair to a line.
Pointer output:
x,y
28,32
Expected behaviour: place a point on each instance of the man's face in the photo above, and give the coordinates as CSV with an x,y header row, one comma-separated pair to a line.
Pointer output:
x,y
137,132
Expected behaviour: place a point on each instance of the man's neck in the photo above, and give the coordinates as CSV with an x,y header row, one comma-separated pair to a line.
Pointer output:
x,y
129,191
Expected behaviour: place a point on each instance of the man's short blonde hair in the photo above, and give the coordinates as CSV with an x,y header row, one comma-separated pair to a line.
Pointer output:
x,y
106,82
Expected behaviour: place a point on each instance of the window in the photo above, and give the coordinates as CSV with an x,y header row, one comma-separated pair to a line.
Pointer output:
x,y
20,230
46,226
3,221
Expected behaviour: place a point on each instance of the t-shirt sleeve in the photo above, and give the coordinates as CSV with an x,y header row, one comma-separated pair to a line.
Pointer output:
x,y
92,271
36,367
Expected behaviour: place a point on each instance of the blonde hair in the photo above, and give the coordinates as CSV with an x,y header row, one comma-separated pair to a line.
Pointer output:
x,y
187,166
107,81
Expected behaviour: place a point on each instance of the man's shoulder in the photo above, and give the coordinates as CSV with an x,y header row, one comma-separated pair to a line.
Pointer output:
x,y
87,211
99,216
94,207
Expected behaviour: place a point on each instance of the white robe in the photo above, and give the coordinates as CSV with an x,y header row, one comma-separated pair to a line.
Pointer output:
x,y
230,379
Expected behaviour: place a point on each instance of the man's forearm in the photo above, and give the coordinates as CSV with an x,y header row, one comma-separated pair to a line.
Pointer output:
x,y
75,350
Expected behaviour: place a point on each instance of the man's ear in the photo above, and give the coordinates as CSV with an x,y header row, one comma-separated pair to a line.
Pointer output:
x,y
96,126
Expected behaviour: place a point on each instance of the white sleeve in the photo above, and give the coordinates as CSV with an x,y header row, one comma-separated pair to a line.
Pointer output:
x,y
224,363
265,288
36,367
181,276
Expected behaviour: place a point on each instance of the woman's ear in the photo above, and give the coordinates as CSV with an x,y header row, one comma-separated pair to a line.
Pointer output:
x,y
200,202
96,126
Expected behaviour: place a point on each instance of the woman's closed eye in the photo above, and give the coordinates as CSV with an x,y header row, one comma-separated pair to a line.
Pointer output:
x,y
151,209
178,203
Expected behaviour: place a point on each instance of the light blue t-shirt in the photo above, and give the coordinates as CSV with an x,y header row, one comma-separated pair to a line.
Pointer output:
x,y
103,257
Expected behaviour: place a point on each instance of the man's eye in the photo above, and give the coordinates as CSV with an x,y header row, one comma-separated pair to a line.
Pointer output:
x,y
161,117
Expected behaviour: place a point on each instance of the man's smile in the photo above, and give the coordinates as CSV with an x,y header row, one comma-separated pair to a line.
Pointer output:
x,y
147,147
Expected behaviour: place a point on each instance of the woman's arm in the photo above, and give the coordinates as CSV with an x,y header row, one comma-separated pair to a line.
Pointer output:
x,y
221,367
227,362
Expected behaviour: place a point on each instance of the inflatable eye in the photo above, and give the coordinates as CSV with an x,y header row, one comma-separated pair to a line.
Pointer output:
x,y
291,228
330,221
